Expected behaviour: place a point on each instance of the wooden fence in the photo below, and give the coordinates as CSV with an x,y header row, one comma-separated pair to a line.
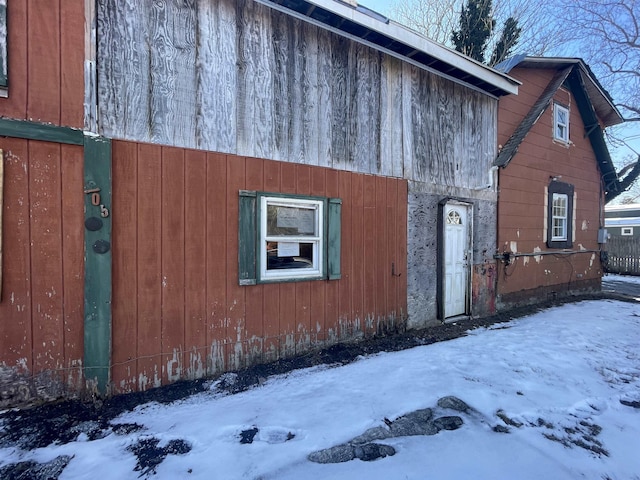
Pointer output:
x,y
623,255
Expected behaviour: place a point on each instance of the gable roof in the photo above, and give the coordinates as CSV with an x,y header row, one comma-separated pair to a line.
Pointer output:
x,y
594,104
598,96
363,25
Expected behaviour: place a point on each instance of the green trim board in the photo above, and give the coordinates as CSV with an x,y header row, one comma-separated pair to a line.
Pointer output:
x,y
40,131
98,277
247,238
333,238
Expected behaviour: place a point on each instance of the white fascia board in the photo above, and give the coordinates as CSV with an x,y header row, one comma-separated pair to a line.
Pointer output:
x,y
413,39
622,222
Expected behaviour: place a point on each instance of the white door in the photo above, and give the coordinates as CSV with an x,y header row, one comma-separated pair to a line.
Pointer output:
x,y
457,250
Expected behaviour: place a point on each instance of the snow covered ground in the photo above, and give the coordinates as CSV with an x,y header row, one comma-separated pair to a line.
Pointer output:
x,y
562,386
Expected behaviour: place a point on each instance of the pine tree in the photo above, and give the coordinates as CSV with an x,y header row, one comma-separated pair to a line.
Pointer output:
x,y
508,40
476,25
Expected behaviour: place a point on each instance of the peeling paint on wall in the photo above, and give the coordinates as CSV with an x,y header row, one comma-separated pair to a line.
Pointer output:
x,y
537,258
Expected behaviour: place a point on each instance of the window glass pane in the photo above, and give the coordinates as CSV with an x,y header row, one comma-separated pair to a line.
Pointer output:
x,y
292,221
559,212
561,122
284,255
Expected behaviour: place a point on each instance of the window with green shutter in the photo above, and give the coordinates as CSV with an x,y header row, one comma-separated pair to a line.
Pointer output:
x,y
288,238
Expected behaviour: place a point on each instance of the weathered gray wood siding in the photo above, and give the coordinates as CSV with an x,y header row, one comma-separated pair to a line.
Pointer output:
x,y
238,77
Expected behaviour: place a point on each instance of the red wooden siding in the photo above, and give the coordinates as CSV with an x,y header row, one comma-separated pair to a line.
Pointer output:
x,y
178,310
41,309
46,67
521,207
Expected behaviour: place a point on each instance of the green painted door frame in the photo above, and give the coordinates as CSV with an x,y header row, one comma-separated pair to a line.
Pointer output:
x,y
97,228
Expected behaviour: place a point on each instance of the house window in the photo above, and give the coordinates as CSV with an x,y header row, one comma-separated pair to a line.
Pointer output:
x,y
560,123
560,215
291,239
288,238
626,231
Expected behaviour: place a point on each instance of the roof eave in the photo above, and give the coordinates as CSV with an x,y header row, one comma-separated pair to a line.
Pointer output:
x,y
603,103
445,61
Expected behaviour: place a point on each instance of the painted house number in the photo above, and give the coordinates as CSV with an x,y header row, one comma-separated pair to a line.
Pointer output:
x,y
95,200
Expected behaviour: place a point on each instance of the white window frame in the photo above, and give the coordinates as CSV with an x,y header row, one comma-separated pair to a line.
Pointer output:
x,y
317,240
560,127
560,217
626,231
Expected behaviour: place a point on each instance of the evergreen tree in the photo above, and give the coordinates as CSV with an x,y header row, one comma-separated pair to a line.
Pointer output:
x,y
508,40
475,27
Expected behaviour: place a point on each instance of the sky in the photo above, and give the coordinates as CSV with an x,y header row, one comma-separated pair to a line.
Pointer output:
x,y
555,381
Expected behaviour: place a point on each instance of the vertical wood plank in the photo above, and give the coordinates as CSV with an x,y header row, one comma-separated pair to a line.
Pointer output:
x,y
383,263
271,302
149,239
124,372
324,95
310,107
392,221
346,258
340,96
358,252
236,332
255,121
254,294
282,83
216,74
296,89
391,126
46,257
368,260
72,161
217,271
173,78
407,102
173,264
123,73
401,228
195,265
17,330
72,63
43,71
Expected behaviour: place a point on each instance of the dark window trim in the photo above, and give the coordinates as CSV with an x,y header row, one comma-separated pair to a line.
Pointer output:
x,y
567,189
555,123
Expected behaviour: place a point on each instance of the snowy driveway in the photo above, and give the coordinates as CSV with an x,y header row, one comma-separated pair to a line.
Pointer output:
x,y
553,395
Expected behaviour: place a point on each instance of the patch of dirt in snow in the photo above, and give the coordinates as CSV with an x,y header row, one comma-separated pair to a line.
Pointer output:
x,y
68,421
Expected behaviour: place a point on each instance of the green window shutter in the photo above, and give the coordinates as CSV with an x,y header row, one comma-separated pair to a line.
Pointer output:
x,y
247,238
333,239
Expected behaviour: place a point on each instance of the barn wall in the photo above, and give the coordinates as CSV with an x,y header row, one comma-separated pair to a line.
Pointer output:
x,y
178,310
238,77
45,62
41,308
522,214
